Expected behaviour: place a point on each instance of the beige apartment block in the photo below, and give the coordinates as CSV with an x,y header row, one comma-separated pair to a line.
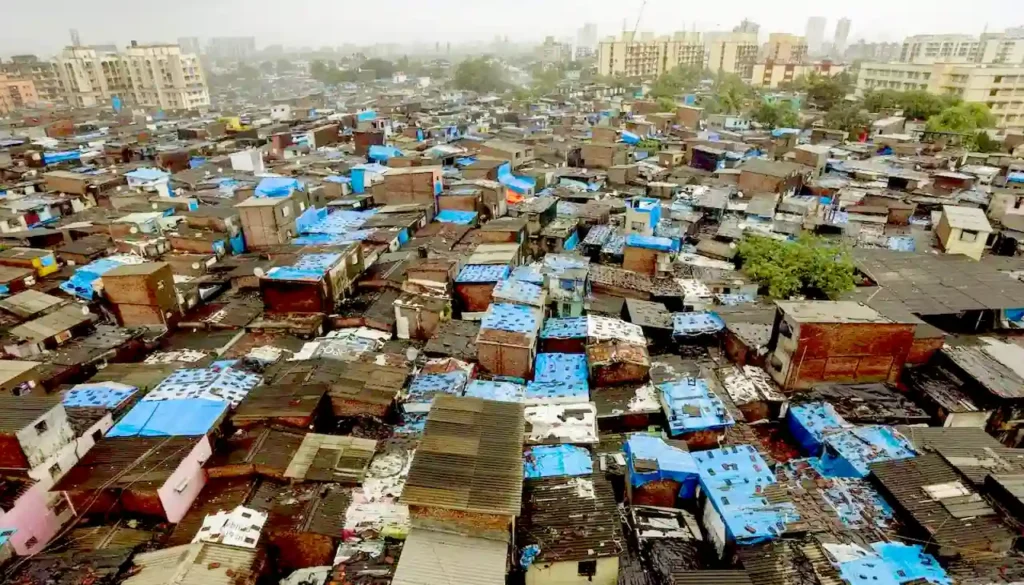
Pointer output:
x,y
999,87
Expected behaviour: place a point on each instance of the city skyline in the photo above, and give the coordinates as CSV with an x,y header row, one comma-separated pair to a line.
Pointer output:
x,y
873,20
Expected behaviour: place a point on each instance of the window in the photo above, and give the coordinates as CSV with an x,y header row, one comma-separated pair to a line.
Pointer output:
x,y
993,92
968,236
41,427
181,486
587,569
31,542
97,435
55,470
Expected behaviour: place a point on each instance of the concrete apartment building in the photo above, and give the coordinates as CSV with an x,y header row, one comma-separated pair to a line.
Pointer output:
x,y
154,76
1001,87
231,48
785,48
731,52
42,74
771,75
15,94
646,55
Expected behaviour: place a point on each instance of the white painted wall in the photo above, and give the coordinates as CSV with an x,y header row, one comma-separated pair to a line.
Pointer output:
x,y
567,573
39,446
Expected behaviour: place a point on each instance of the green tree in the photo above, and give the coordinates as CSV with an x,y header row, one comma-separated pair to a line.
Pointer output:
x,y
667,104
671,83
776,116
848,117
921,105
983,142
480,75
284,66
883,99
267,67
826,92
809,265
965,119
382,67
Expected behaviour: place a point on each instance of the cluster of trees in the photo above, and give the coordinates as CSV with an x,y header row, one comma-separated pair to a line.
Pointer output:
x,y
480,74
941,113
810,265
280,67
328,71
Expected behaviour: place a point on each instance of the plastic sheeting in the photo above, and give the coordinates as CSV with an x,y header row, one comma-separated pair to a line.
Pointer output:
x,y
810,422
557,461
672,463
278,187
98,395
170,418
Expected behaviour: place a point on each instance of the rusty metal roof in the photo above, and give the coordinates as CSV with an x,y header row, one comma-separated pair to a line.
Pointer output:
x,y
218,494
470,458
17,412
570,518
142,462
98,567
263,450
331,458
788,562
279,401
904,482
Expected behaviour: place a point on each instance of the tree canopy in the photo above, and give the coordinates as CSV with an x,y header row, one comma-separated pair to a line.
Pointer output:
x,y
968,119
672,83
825,92
381,67
480,75
777,115
809,265
848,117
328,73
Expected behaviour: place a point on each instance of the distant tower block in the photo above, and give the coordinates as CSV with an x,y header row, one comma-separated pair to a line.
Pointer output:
x,y
76,41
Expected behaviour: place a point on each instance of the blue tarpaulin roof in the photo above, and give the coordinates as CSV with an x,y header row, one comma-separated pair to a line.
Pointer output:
x,y
528,273
892,563
517,291
278,187
496,390
630,138
425,386
509,317
98,395
483,273
849,452
652,243
380,152
521,185
188,417
306,267
564,328
456,216
556,461
692,406
337,179
147,174
672,463
50,158
734,478
80,283
810,422
696,323
556,392
561,367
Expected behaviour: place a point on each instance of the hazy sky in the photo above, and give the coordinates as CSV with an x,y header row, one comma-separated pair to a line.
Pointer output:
x,y
42,27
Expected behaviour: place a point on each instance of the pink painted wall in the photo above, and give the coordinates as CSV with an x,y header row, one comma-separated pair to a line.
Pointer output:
x,y
191,470
32,516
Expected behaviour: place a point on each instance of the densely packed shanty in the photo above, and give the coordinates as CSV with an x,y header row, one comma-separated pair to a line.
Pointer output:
x,y
437,337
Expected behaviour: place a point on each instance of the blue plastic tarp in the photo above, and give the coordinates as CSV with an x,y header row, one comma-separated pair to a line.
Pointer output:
x,y
496,390
557,461
380,152
456,216
564,328
521,185
50,158
652,243
696,323
187,417
561,367
692,406
98,395
810,422
849,452
509,317
278,187
147,174
674,464
630,138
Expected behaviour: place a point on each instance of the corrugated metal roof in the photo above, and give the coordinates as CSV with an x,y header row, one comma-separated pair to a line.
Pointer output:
x,y
16,412
470,458
331,458
435,558
904,480
196,564
152,461
570,518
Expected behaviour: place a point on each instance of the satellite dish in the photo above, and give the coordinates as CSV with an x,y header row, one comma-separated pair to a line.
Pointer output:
x,y
134,230
220,170
195,266
258,272
154,206
85,310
